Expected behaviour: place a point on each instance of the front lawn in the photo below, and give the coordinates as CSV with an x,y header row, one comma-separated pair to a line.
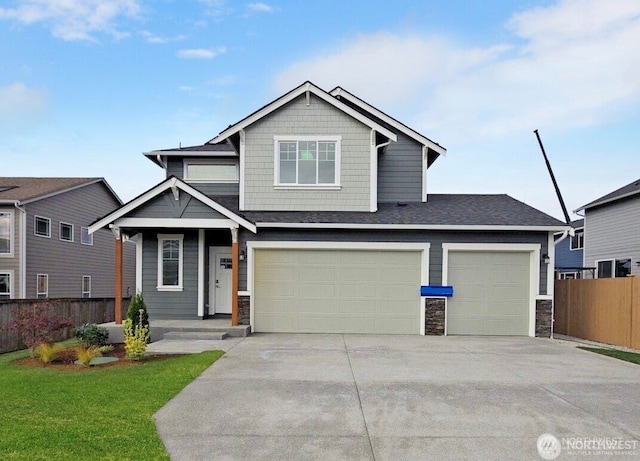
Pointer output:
x,y
632,357
98,414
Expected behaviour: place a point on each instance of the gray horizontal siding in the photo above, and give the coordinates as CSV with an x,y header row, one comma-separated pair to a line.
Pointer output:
x,y
171,304
434,238
400,171
613,232
66,262
175,167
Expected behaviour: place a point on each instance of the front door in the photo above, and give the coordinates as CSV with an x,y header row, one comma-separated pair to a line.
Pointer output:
x,y
221,283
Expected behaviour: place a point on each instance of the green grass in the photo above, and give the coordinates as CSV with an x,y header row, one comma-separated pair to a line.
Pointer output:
x,y
632,357
99,414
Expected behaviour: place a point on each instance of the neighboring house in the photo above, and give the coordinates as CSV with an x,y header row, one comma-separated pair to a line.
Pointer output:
x,y
46,250
612,232
569,253
312,215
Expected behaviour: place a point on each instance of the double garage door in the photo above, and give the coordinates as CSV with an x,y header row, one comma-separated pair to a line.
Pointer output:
x,y
377,291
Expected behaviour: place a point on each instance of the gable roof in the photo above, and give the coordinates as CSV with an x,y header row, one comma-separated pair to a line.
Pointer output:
x,y
30,189
222,149
155,191
440,212
290,96
376,113
624,192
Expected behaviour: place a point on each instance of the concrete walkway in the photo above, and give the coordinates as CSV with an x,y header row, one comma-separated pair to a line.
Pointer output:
x,y
359,397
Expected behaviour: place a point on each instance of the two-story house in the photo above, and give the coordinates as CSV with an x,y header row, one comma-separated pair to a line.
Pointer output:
x,y
312,215
46,250
612,232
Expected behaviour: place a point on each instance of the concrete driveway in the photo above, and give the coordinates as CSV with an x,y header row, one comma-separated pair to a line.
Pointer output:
x,y
359,397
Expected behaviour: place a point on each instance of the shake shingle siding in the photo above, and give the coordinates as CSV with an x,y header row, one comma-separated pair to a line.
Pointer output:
x,y
400,171
293,119
66,262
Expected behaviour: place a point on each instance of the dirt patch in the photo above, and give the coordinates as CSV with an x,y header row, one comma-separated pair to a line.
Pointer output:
x,y
66,358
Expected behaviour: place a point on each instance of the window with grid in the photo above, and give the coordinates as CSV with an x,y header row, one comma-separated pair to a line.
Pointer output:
x,y
307,161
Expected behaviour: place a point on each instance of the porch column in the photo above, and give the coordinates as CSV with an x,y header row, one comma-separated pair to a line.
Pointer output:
x,y
235,261
118,271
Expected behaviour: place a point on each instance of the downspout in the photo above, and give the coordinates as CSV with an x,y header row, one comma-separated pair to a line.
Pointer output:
x,y
161,162
23,251
564,235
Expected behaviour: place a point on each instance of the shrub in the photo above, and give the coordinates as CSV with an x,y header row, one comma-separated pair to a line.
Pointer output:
x,y
136,305
86,353
47,353
37,325
135,338
91,334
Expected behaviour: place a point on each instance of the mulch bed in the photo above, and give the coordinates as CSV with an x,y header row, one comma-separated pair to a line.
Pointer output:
x,y
66,358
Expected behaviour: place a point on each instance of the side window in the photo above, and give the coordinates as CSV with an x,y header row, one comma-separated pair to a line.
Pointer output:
x,y
42,226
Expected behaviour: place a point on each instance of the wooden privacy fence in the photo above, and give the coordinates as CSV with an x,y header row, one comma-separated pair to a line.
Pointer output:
x,y
603,310
78,311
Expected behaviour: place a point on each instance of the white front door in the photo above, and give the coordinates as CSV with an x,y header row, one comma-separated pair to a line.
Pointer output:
x,y
220,284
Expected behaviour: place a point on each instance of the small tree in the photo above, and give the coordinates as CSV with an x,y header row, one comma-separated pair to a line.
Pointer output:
x,y
137,312
37,325
135,338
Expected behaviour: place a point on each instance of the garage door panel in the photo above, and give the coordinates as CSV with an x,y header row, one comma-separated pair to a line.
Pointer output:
x,y
491,293
348,291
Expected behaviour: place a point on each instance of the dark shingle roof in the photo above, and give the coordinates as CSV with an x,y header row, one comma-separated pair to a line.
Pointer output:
x,y
439,210
221,147
22,189
577,224
626,191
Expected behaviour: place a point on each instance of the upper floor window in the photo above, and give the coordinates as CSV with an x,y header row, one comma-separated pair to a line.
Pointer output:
x,y
5,284
609,268
66,232
170,249
307,160
85,237
220,170
42,226
577,241
6,232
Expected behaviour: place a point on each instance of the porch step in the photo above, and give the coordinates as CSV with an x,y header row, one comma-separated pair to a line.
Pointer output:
x,y
195,335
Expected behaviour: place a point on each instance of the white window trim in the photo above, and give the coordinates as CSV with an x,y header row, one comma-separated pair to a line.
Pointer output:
x,y
571,247
161,238
72,231
42,293
11,237
10,273
90,236
35,226
206,161
82,286
321,138
613,266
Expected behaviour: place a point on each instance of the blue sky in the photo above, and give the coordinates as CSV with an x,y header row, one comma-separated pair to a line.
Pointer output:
x,y
88,85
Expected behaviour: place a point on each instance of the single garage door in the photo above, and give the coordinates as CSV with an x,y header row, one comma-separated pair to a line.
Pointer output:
x,y
490,293
336,291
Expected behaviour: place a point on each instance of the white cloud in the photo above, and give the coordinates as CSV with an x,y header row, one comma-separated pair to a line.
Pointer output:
x,y
569,65
21,107
201,53
74,19
156,39
217,9
260,7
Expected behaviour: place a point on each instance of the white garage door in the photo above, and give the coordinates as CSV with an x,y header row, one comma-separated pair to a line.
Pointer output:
x,y
336,291
490,293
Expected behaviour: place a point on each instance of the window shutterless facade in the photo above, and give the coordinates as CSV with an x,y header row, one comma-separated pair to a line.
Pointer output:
x,y
85,237
86,286
218,171
42,226
42,286
577,241
66,232
307,160
6,280
6,233
170,256
608,268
